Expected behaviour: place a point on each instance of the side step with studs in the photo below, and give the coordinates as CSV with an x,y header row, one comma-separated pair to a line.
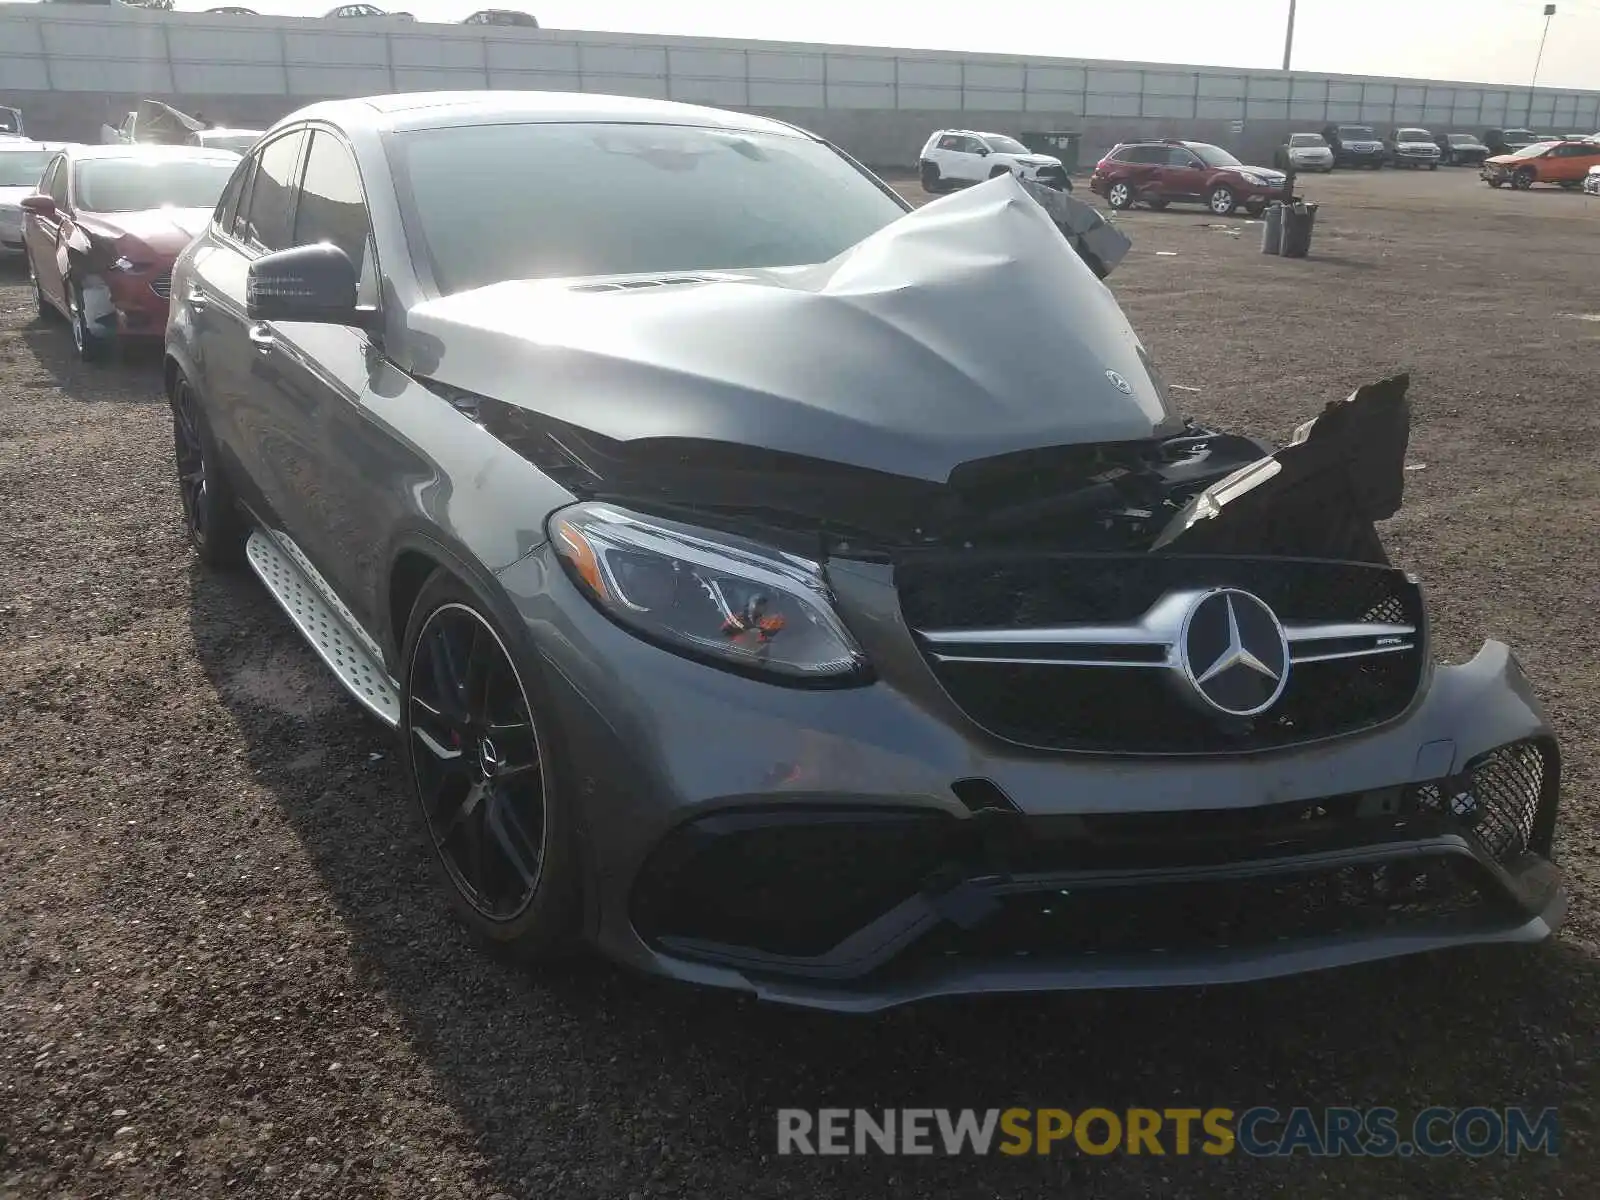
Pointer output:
x,y
326,624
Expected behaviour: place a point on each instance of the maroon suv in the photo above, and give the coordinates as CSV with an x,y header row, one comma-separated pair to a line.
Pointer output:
x,y
1158,173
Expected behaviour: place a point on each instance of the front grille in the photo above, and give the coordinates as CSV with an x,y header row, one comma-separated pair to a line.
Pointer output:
x,y
1217,914
161,285
1064,698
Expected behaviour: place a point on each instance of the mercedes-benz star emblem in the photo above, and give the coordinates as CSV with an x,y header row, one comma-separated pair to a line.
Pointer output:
x,y
1121,384
1233,652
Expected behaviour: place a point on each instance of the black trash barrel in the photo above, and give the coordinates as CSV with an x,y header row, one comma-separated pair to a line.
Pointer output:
x,y
1298,221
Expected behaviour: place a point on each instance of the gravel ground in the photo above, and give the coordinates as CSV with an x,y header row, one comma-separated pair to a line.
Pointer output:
x,y
223,969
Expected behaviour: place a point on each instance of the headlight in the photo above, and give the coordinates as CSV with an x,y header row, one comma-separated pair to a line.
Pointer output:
x,y
708,594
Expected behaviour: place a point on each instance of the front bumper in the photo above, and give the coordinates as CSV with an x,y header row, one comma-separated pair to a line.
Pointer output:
x,y
129,303
668,756
1416,156
11,232
1493,172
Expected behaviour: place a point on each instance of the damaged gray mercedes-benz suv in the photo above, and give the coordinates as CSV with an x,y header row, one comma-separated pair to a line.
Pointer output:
x,y
783,590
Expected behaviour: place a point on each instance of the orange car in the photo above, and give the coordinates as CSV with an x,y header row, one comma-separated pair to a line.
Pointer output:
x,y
1565,161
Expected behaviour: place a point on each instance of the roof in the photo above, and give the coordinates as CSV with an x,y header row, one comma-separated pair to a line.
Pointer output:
x,y
36,147
435,110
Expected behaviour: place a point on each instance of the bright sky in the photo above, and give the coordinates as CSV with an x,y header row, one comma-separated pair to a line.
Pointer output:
x,y
1492,41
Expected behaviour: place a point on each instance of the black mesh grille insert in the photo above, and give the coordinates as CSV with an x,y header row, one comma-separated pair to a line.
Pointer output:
x,y
1213,915
1496,799
1119,709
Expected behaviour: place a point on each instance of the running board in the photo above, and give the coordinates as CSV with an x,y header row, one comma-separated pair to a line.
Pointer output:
x,y
321,624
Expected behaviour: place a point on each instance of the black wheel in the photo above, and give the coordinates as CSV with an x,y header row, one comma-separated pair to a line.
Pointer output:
x,y
930,179
1494,183
482,774
1254,210
1157,203
1120,194
1222,201
211,516
1433,166
90,346
1523,179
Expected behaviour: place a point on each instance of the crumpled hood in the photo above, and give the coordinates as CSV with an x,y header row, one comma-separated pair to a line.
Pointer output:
x,y
1037,160
966,329
163,230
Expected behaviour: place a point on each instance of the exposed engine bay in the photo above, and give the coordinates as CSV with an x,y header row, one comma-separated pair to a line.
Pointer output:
x,y
1200,492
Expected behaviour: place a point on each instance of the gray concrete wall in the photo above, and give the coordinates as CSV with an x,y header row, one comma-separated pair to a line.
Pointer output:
x,y
71,70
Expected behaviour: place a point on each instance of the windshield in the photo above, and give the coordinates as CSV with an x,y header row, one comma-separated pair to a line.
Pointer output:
x,y
1463,139
539,201
1357,133
1213,156
1306,139
1533,151
1004,145
1414,135
10,121
22,168
134,185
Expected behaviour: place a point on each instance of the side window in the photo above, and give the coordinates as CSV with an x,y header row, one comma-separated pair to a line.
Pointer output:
x,y
54,183
228,204
240,220
332,207
950,142
1142,154
973,145
272,194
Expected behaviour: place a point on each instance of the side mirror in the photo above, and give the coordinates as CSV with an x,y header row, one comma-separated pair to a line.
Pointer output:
x,y
39,205
305,283
983,152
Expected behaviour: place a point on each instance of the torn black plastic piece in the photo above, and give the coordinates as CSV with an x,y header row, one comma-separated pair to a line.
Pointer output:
x,y
1319,495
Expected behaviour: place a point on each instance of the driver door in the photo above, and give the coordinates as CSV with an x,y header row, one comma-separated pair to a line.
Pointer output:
x,y
1183,177
41,236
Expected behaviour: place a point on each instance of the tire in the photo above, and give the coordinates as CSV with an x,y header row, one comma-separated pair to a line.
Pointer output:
x,y
46,309
212,518
931,183
500,793
1119,195
1222,201
1523,178
1157,204
996,172
1494,183
1254,210
1433,166
89,346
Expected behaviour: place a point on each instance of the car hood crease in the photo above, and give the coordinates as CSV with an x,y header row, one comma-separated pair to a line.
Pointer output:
x,y
967,329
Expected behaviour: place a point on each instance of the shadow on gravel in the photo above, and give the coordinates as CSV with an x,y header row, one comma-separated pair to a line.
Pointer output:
x,y
587,1080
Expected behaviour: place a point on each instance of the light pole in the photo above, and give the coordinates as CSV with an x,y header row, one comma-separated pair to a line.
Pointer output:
x,y
1288,37
1549,11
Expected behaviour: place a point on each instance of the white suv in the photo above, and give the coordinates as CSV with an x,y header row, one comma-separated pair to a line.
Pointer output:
x,y
956,157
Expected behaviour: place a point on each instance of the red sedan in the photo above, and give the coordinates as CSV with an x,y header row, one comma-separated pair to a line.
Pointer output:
x,y
104,229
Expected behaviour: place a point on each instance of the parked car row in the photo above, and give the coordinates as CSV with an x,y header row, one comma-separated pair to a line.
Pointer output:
x,y
486,16
1360,146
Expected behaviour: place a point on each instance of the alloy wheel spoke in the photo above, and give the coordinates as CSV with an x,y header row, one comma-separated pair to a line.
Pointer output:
x,y
447,676
481,660
510,839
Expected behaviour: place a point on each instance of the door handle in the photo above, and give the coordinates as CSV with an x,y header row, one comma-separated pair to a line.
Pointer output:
x,y
262,339
195,297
